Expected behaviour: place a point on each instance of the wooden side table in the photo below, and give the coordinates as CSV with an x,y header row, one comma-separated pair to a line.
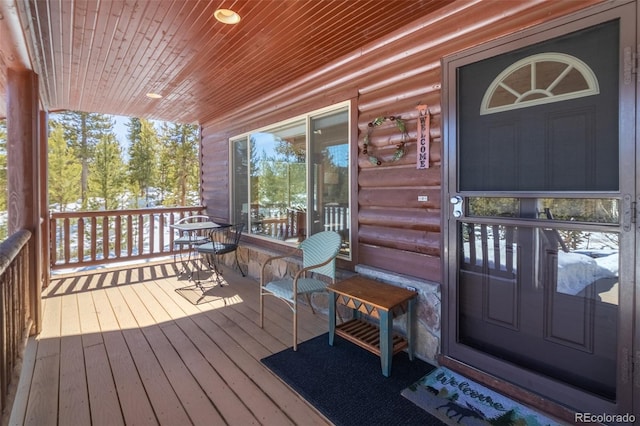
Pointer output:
x,y
377,300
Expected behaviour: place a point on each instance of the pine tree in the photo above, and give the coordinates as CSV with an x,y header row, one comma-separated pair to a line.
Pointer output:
x,y
107,174
143,155
282,177
83,131
64,170
166,161
180,142
133,134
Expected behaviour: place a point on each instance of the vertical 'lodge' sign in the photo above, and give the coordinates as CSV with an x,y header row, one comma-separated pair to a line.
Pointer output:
x,y
422,159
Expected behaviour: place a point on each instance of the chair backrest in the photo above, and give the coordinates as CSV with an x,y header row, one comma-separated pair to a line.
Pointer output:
x,y
318,248
194,218
226,238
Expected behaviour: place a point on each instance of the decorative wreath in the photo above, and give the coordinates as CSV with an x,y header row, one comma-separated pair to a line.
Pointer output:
x,y
399,153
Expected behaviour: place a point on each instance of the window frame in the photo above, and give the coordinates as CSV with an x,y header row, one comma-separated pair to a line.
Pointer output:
x,y
308,117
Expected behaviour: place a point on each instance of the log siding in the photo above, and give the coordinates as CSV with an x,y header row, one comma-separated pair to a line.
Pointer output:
x,y
390,76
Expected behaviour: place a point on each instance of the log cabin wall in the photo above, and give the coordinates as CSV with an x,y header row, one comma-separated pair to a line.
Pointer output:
x,y
395,232
389,77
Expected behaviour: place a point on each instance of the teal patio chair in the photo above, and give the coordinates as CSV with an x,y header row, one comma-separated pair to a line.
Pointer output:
x,y
319,253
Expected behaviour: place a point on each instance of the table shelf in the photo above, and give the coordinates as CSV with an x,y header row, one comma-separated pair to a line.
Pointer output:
x,y
367,336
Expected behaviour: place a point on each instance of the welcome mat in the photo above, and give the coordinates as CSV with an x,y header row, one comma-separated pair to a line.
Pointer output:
x,y
345,383
456,399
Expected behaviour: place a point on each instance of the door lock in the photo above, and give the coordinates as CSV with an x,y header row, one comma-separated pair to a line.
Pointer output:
x,y
456,201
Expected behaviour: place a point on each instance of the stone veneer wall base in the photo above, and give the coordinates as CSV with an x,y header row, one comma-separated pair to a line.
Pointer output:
x,y
428,309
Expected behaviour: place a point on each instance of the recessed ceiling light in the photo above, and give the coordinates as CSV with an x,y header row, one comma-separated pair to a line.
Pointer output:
x,y
152,95
226,16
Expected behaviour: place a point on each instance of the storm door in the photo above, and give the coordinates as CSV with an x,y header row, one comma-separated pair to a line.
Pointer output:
x,y
540,239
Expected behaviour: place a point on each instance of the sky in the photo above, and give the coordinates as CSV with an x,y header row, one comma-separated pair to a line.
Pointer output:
x,y
121,129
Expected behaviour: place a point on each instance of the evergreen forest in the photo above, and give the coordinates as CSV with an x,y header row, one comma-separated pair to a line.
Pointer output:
x,y
89,169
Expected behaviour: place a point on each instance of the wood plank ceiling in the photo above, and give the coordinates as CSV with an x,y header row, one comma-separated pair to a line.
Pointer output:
x,y
104,56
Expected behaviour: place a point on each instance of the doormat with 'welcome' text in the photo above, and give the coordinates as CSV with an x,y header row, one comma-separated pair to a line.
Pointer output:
x,y
455,399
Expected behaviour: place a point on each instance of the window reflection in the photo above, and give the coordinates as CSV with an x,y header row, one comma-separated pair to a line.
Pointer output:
x,y
551,293
571,262
493,207
587,210
584,264
590,210
278,181
292,180
330,178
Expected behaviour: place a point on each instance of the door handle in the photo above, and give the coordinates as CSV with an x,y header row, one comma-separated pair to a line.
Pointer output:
x,y
457,202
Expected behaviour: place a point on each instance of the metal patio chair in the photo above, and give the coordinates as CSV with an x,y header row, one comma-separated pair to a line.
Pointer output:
x,y
222,240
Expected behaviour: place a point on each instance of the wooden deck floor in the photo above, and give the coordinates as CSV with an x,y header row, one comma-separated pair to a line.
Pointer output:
x,y
121,346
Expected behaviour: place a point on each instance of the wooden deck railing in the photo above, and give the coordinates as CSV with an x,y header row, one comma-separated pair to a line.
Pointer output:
x,y
98,237
292,223
15,312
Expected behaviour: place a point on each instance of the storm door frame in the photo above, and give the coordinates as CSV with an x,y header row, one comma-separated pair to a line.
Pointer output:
x,y
627,393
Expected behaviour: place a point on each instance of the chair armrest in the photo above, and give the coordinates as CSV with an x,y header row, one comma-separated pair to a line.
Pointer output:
x,y
303,271
272,258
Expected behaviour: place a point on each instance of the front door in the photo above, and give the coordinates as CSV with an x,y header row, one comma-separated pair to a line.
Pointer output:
x,y
540,234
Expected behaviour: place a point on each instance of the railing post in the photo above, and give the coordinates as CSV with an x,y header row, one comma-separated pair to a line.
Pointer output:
x,y
24,161
80,238
152,232
105,237
140,234
118,235
129,235
53,255
66,242
94,236
161,232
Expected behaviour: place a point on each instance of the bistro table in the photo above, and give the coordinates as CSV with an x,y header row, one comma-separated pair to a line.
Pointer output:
x,y
192,234
376,300
191,227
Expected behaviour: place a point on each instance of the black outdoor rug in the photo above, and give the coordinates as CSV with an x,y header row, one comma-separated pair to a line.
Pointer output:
x,y
345,383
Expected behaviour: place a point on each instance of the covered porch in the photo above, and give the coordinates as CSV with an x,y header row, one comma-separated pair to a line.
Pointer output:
x,y
119,345
369,60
